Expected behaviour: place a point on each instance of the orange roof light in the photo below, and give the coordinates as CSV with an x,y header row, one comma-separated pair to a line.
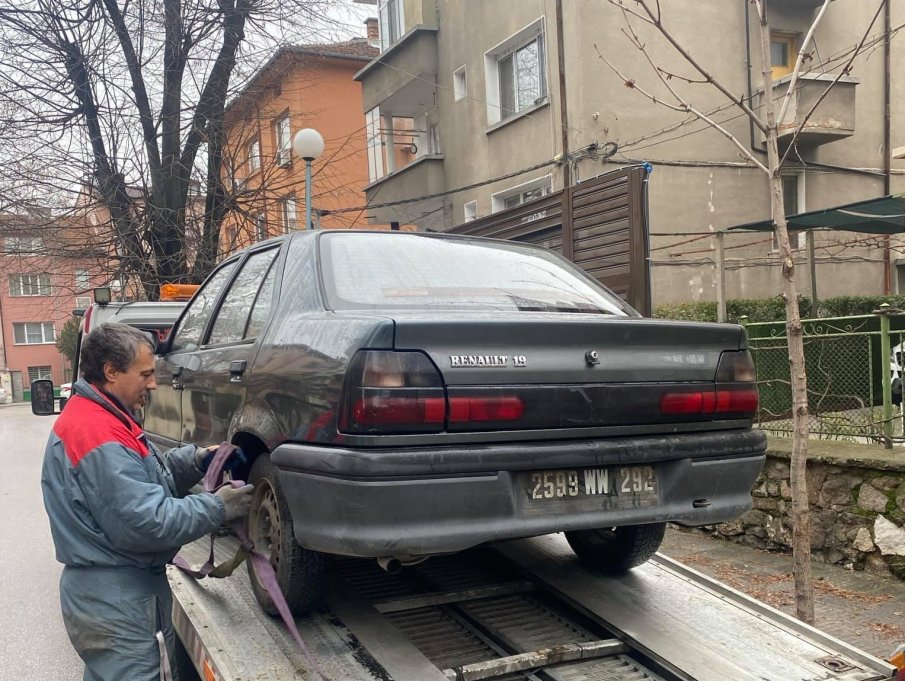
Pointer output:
x,y
177,291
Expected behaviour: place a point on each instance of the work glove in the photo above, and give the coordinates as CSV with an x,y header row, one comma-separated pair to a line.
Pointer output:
x,y
236,501
235,462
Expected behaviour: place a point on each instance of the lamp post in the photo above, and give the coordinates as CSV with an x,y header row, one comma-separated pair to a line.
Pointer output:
x,y
309,145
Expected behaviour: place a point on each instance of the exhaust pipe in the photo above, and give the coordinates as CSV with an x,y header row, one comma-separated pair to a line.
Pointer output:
x,y
390,564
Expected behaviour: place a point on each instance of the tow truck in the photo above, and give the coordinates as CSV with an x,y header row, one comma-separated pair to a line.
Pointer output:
x,y
524,609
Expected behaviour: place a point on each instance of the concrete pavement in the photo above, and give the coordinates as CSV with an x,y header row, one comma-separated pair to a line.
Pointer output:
x,y
862,609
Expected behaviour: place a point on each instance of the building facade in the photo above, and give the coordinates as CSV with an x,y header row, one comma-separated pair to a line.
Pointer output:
x,y
504,101
40,288
300,87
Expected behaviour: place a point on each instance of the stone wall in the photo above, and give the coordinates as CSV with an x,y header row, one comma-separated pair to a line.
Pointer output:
x,y
857,498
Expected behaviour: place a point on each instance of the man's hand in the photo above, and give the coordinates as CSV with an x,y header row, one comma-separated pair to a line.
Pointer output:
x,y
233,464
236,501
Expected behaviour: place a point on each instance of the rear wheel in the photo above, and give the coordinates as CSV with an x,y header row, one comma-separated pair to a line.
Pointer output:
x,y
616,550
301,573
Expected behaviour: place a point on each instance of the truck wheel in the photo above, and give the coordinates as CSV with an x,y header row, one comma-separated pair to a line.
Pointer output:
x,y
616,550
301,574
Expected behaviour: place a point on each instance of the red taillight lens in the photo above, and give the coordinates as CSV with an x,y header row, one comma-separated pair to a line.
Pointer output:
x,y
466,409
712,401
382,410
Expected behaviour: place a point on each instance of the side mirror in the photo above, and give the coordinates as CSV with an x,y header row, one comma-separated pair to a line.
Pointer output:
x,y
42,398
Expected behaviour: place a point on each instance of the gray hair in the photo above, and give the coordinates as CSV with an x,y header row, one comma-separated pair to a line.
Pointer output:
x,y
112,342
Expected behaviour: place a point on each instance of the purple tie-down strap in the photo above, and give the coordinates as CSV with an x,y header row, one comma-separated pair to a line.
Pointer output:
x,y
262,567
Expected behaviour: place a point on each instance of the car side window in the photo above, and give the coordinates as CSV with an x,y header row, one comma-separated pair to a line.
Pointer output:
x,y
232,317
188,334
260,311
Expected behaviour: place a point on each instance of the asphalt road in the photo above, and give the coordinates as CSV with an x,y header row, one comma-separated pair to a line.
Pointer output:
x,y
33,641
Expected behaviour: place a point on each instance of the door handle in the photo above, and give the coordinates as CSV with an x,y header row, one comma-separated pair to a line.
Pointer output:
x,y
177,379
237,370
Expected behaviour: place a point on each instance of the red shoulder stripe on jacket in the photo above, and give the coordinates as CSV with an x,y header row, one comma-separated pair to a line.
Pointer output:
x,y
84,425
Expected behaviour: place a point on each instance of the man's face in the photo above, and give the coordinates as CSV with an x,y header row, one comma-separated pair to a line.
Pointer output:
x,y
131,386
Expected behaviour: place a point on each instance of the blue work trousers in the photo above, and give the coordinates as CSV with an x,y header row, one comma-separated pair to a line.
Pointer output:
x,y
113,616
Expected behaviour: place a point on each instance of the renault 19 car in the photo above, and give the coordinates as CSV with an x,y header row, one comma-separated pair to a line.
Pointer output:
x,y
403,395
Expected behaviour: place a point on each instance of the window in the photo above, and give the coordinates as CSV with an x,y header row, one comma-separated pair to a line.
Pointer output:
x,y
288,214
453,274
783,53
793,202
392,22
24,245
232,317
516,196
261,231
83,302
470,210
33,333
460,85
29,285
194,319
375,144
39,374
253,154
81,280
282,142
516,74
260,312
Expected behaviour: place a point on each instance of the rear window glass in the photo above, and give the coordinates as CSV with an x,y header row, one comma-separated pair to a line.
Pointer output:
x,y
399,271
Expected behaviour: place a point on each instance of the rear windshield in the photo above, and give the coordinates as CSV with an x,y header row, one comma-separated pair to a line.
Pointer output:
x,y
399,271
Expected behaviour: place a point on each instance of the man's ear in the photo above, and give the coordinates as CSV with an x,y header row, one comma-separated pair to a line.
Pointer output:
x,y
110,372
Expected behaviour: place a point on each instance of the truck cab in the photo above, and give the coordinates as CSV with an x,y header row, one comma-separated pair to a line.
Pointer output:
x,y
156,317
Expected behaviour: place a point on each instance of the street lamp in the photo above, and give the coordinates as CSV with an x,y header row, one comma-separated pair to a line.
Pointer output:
x,y
309,145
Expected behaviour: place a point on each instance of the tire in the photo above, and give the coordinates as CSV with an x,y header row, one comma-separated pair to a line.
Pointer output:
x,y
616,550
301,574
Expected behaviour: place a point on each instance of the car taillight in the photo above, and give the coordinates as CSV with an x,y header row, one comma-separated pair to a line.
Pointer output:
x,y
393,392
735,391
403,392
736,366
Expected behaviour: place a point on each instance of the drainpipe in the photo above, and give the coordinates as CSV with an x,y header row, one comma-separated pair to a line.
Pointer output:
x,y
887,139
563,106
745,4
4,366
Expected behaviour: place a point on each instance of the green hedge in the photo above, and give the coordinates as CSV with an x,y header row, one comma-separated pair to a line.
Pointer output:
x,y
774,309
757,310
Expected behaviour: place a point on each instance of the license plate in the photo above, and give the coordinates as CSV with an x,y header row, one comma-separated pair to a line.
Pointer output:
x,y
590,488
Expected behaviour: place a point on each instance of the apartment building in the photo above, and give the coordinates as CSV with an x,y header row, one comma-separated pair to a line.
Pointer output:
x,y
44,279
502,102
308,86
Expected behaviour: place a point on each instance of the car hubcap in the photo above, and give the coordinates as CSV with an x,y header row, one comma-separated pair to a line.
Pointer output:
x,y
266,526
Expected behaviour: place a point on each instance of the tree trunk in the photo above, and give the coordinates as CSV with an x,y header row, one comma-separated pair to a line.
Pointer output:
x,y
801,517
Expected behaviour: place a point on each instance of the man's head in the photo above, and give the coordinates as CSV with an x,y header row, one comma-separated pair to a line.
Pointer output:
x,y
119,359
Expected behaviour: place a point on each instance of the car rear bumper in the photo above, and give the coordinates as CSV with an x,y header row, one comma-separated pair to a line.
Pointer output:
x,y
426,503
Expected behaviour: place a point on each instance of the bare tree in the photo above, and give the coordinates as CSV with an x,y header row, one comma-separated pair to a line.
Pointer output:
x,y
677,92
112,113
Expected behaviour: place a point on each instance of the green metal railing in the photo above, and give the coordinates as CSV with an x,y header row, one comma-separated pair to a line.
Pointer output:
x,y
850,367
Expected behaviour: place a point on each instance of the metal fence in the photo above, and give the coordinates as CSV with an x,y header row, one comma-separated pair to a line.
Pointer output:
x,y
853,367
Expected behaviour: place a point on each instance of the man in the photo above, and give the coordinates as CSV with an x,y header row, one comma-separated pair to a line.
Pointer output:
x,y
117,513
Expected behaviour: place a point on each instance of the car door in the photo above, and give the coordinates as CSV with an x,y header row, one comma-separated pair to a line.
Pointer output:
x,y
164,413
215,384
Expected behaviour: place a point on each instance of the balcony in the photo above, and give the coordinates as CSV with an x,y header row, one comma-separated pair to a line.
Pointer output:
x,y
833,119
402,80
421,177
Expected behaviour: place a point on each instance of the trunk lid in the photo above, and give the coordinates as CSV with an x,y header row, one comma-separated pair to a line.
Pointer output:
x,y
478,349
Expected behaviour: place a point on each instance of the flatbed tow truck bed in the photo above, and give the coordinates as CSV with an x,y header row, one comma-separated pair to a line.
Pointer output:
x,y
524,609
